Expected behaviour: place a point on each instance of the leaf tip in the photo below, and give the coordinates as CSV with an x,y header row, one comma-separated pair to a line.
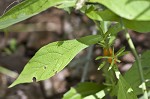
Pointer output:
x,y
12,85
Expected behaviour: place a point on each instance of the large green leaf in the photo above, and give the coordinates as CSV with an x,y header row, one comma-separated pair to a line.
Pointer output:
x,y
124,90
86,90
29,8
107,15
52,58
128,9
132,76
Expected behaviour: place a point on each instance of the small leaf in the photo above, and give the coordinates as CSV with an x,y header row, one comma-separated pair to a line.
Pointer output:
x,y
111,40
113,30
86,90
88,8
52,58
102,65
66,4
101,57
111,65
123,53
120,51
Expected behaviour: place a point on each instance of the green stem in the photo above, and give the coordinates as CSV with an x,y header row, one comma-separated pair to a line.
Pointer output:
x,y
8,72
138,60
130,42
99,28
86,67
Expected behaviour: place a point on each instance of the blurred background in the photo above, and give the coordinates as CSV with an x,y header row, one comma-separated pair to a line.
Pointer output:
x,y
20,42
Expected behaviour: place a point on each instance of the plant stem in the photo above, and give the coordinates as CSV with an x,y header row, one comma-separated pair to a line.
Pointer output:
x,y
8,72
138,61
86,67
99,28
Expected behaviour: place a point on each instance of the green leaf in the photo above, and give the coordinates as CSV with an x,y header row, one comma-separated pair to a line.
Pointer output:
x,y
139,26
66,4
124,90
104,15
29,8
52,58
123,53
128,9
101,57
112,33
111,40
114,29
132,75
86,90
121,50
107,15
101,65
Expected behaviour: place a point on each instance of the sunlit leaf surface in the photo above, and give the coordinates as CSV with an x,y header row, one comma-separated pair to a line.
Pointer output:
x,y
52,58
29,8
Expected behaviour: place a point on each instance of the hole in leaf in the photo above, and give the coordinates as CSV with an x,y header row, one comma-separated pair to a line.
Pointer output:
x,y
60,43
45,67
55,72
34,79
